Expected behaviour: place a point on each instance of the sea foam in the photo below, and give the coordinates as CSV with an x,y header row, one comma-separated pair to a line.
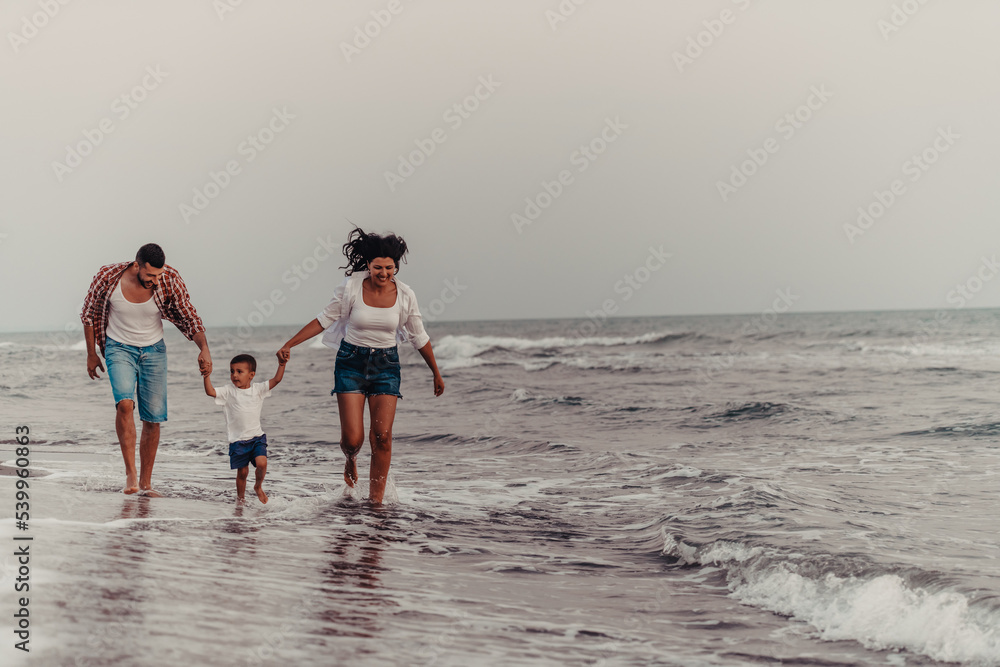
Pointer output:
x,y
881,611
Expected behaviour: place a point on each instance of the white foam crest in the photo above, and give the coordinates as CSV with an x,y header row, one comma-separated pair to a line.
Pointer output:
x,y
114,523
187,453
455,346
520,395
927,349
717,553
881,612
680,471
305,507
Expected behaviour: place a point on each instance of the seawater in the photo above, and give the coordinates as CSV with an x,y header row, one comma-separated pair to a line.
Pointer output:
x,y
812,490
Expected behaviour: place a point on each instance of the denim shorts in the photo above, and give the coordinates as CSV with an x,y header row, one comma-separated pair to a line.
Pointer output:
x,y
244,452
366,370
142,368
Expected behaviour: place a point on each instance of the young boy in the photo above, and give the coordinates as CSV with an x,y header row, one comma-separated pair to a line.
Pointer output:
x,y
242,403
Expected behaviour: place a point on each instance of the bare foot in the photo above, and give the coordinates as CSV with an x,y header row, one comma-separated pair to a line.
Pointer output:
x,y
131,484
149,493
260,493
351,471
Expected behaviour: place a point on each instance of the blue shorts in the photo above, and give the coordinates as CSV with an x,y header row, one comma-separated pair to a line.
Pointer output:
x,y
243,452
145,368
366,370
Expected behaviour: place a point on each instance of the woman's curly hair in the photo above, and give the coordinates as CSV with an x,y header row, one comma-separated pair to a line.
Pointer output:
x,y
362,248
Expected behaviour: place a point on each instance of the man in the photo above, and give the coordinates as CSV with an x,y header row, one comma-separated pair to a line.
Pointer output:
x,y
122,315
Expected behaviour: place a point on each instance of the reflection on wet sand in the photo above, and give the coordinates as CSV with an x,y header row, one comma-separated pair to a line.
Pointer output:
x,y
352,575
117,602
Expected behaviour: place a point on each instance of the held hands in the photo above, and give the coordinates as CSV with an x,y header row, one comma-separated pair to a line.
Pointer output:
x,y
205,363
438,384
93,363
284,354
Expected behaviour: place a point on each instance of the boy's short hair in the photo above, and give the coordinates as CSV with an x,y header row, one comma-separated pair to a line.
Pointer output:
x,y
245,359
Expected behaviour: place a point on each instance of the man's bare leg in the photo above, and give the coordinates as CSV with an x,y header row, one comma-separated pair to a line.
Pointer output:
x,y
241,482
125,428
149,441
258,487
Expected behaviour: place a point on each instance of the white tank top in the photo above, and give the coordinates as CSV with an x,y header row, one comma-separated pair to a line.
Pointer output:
x,y
373,327
137,324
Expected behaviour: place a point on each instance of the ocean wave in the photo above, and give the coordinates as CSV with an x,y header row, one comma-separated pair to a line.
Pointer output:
x,y
74,347
848,598
991,429
739,412
617,363
467,346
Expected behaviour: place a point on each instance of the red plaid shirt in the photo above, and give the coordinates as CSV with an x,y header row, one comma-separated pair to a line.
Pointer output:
x,y
171,297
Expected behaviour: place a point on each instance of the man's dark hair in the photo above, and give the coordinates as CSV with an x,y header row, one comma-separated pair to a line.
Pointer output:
x,y
151,254
245,359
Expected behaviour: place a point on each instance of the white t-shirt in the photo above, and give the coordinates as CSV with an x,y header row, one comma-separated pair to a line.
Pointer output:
x,y
370,326
138,324
242,408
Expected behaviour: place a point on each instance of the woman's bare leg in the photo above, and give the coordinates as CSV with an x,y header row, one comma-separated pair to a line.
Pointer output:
x,y
352,432
383,411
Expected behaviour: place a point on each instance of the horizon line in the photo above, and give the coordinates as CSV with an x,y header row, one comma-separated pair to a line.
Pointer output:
x,y
609,317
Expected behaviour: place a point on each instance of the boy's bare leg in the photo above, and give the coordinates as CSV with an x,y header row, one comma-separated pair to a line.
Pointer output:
x,y
261,463
125,428
149,441
241,482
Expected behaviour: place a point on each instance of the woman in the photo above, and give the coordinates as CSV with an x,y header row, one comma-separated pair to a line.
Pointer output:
x,y
370,312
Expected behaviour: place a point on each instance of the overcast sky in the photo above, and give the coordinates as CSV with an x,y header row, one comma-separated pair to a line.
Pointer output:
x,y
116,114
